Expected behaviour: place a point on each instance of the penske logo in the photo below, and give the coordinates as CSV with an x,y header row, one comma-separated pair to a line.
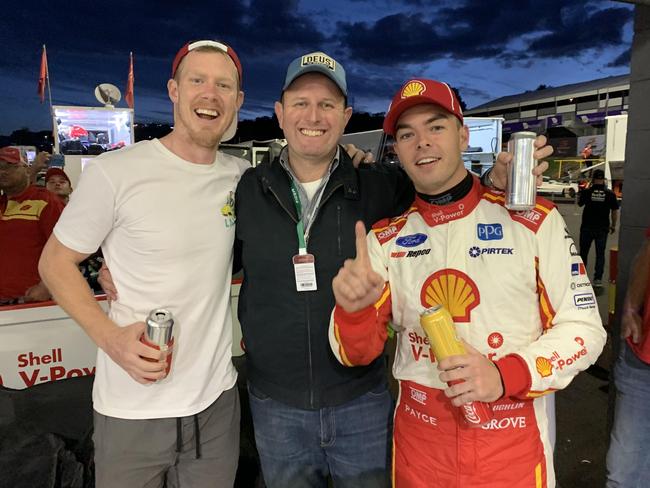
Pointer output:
x,y
584,300
452,289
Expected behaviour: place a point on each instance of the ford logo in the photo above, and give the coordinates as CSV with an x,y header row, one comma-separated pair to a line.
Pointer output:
x,y
412,240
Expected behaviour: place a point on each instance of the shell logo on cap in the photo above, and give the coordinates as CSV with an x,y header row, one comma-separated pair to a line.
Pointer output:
x,y
544,366
413,89
453,289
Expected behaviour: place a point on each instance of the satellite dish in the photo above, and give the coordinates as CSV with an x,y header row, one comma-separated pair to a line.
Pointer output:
x,y
108,94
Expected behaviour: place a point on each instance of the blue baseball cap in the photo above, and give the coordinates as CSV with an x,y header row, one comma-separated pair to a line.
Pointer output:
x,y
317,62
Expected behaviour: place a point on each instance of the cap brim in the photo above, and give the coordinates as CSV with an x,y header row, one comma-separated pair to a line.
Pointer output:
x,y
231,130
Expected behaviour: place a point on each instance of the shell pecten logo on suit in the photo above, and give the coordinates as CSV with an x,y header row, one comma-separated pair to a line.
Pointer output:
x,y
544,366
452,289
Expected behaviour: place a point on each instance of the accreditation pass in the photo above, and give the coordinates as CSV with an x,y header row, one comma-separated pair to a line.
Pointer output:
x,y
305,270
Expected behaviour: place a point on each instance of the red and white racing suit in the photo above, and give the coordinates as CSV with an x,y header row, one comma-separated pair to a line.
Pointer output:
x,y
518,292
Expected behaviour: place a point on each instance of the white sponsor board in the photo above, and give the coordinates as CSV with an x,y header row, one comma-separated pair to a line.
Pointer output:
x,y
41,343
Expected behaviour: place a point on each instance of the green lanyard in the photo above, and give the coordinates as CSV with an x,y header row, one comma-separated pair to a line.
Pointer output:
x,y
300,226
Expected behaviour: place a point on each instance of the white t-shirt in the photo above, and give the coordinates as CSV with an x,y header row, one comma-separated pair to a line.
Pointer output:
x,y
166,228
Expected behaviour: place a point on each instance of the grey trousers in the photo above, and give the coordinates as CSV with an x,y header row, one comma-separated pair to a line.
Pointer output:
x,y
153,453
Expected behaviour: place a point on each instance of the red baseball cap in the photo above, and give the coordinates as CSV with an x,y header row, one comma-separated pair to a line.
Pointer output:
x,y
11,155
56,171
416,92
216,44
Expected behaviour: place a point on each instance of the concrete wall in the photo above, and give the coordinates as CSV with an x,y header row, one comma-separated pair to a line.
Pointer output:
x,y
635,211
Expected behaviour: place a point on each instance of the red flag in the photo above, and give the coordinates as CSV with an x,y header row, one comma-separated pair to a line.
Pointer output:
x,y
42,77
128,94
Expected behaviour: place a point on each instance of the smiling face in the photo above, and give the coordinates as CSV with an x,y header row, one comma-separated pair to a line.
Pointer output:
x,y
429,142
313,116
206,97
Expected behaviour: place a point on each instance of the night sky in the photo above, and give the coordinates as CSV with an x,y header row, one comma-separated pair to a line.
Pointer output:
x,y
487,49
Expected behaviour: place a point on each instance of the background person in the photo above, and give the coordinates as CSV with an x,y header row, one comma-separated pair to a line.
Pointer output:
x,y
628,457
28,214
58,182
599,203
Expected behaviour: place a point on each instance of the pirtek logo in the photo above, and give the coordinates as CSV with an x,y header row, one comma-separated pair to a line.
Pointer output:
x,y
476,251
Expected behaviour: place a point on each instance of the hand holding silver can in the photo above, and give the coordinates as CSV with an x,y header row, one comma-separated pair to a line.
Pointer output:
x,y
159,333
521,188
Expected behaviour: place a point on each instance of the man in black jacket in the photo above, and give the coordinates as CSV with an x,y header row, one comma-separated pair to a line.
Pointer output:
x,y
598,201
313,417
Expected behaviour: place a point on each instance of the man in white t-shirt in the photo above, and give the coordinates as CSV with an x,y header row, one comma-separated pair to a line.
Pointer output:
x,y
159,210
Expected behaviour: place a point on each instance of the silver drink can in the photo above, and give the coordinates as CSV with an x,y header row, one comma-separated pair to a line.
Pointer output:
x,y
521,187
159,330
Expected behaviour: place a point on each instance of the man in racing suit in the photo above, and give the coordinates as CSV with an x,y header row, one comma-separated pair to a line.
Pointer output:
x,y
514,285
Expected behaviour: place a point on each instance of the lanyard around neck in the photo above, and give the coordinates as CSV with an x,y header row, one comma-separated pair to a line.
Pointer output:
x,y
300,226
303,233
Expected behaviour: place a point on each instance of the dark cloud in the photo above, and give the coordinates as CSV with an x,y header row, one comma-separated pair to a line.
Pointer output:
x,y
583,31
380,42
514,32
623,60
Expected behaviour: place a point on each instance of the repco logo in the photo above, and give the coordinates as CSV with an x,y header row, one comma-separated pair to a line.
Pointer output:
x,y
419,252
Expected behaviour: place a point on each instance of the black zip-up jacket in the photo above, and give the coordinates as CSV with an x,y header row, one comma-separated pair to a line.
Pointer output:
x,y
285,331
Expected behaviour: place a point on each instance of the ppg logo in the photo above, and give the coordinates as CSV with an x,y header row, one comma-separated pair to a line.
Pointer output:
x,y
489,232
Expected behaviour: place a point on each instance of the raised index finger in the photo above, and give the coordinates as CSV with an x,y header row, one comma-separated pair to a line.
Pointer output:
x,y
361,243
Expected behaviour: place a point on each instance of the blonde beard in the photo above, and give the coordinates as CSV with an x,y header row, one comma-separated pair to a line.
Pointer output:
x,y
206,139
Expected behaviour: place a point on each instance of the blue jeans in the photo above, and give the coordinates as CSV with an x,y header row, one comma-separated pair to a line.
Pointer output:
x,y
599,236
628,458
301,448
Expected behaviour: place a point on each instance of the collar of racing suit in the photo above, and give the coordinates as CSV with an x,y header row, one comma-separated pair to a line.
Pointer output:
x,y
452,195
466,200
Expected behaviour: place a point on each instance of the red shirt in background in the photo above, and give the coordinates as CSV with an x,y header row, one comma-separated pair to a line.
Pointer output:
x,y
26,222
642,349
